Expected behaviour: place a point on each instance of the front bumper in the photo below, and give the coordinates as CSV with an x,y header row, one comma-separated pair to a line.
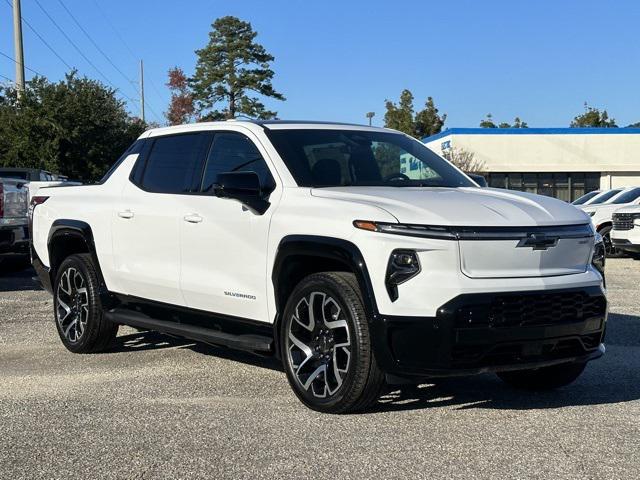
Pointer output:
x,y
626,245
14,239
475,333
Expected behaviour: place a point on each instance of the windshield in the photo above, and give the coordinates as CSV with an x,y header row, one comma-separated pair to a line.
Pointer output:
x,y
585,197
337,158
626,197
604,196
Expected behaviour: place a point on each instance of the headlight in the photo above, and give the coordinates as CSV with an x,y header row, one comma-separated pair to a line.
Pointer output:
x,y
599,255
402,265
408,230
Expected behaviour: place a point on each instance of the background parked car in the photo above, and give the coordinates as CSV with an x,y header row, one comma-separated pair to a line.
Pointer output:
x,y
625,234
603,196
36,178
27,174
479,179
586,197
602,215
14,204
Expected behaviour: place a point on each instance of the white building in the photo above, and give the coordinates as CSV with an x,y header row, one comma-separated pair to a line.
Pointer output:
x,y
560,162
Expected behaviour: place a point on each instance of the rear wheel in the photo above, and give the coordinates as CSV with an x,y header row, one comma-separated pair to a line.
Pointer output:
x,y
326,345
546,378
78,309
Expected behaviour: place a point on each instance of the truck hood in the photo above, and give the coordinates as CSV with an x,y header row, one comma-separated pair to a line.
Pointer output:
x,y
461,206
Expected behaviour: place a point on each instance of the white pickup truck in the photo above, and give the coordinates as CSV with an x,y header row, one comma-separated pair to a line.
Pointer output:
x,y
314,243
14,228
625,235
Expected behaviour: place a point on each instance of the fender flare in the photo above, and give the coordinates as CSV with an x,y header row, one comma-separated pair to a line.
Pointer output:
x,y
81,230
331,248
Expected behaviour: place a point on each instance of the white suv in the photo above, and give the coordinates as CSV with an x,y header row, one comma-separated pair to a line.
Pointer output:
x,y
602,215
354,254
625,234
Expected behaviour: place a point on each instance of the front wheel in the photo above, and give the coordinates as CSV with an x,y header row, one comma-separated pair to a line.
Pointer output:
x,y
545,378
610,250
77,307
326,345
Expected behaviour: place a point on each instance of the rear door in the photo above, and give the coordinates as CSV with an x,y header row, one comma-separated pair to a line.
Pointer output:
x,y
224,245
147,220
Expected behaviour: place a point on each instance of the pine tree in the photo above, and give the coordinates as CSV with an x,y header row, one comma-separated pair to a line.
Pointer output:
x,y
230,67
401,117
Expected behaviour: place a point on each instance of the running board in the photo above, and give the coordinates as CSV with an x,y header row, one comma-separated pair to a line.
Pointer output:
x,y
247,342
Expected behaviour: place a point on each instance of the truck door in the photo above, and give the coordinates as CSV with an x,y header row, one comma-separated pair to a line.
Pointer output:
x,y
224,244
149,215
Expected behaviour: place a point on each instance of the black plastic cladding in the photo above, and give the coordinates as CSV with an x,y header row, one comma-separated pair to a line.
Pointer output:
x,y
82,230
336,249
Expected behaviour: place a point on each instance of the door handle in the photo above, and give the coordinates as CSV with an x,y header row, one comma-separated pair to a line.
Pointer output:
x,y
126,214
193,218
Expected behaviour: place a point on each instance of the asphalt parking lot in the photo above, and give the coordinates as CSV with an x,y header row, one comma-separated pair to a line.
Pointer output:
x,y
157,407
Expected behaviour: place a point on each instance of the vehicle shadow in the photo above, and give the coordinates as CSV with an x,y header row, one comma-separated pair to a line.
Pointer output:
x,y
613,378
17,275
149,340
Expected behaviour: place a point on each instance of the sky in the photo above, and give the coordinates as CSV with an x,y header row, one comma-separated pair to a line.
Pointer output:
x,y
336,60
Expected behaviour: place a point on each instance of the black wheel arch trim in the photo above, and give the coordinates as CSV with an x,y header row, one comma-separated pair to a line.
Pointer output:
x,y
331,248
81,230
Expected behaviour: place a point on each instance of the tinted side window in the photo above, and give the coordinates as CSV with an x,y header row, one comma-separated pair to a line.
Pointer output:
x,y
233,152
628,197
174,164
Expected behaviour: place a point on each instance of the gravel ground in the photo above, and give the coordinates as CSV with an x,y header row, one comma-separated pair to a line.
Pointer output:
x,y
157,407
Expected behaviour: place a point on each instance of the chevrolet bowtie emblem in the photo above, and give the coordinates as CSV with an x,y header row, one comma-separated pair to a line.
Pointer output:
x,y
538,241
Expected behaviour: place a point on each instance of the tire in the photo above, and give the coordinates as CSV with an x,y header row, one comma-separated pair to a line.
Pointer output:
x,y
546,378
329,364
78,309
610,250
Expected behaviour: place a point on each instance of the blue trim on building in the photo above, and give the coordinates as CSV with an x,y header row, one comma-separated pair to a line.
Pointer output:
x,y
532,131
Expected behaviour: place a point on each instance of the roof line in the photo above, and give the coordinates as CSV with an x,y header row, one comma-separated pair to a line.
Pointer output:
x,y
533,131
266,123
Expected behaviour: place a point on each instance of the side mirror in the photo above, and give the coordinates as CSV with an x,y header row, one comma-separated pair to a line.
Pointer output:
x,y
244,187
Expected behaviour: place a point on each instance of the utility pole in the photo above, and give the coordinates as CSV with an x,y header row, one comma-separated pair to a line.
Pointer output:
x,y
17,41
141,91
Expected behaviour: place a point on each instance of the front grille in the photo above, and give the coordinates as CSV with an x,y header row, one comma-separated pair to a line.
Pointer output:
x,y
623,221
532,310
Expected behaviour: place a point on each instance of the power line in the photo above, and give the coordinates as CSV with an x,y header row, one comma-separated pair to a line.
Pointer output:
x,y
6,78
93,42
131,52
133,55
148,105
41,38
155,89
79,51
15,61
26,22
